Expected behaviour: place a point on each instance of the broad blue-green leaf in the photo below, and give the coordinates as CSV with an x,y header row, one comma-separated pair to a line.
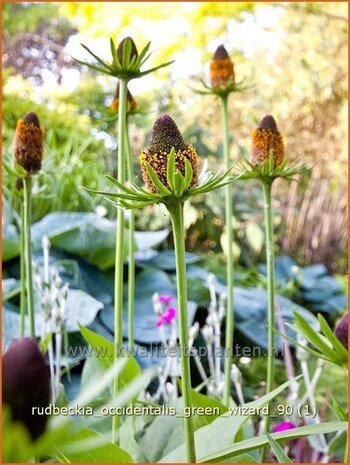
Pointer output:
x,y
10,242
148,281
89,236
251,314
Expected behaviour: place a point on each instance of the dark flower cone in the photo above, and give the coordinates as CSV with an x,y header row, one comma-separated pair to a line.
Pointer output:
x,y
342,330
134,51
26,384
265,140
28,144
221,69
166,135
130,101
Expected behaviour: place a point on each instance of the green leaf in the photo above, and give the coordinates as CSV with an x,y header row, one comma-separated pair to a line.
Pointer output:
x,y
281,456
144,73
97,58
143,54
95,67
104,352
16,443
260,441
179,182
337,345
312,336
170,169
114,53
166,433
100,453
188,173
221,431
20,171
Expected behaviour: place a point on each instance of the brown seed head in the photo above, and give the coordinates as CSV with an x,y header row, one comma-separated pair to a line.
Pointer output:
x,y
28,144
342,330
166,135
130,101
26,384
120,49
265,140
221,69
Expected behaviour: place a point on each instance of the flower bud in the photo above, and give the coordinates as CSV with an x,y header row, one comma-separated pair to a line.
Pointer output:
x,y
265,140
166,135
120,49
28,144
26,384
221,69
130,101
342,330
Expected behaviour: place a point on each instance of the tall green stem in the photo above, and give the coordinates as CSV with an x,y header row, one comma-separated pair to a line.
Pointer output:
x,y
27,206
270,262
177,221
119,253
229,258
22,273
131,249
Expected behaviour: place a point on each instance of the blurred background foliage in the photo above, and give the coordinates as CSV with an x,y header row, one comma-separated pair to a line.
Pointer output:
x,y
293,57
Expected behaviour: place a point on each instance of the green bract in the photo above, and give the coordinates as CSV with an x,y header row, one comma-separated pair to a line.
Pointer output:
x,y
222,91
268,172
133,196
125,65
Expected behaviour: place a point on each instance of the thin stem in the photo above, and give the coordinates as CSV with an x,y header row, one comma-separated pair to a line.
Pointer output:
x,y
310,395
27,205
229,259
177,221
22,274
119,253
51,363
199,364
287,354
58,362
131,248
270,262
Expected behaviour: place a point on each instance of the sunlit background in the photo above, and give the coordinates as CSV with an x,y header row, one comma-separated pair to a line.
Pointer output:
x,y
292,58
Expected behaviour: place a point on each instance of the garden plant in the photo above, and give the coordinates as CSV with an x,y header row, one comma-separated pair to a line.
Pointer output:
x,y
151,311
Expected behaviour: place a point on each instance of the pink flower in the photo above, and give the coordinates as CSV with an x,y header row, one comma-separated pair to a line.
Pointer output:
x,y
167,317
284,426
166,299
